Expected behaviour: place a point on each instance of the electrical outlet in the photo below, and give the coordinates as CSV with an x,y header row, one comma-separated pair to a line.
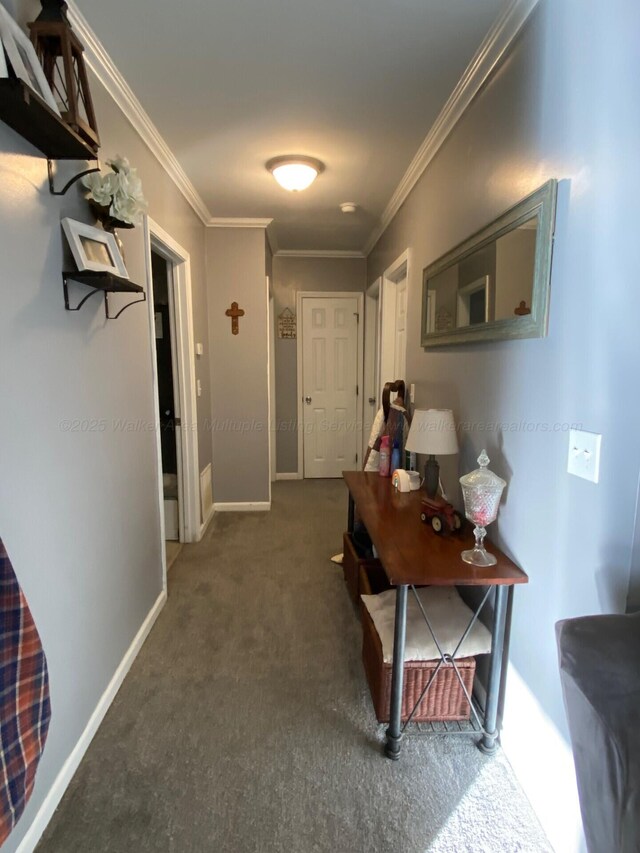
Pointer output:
x,y
584,455
198,388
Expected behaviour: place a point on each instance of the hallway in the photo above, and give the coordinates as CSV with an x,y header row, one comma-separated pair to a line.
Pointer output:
x,y
245,724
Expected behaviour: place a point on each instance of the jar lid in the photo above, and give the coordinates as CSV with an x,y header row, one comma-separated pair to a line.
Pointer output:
x,y
482,477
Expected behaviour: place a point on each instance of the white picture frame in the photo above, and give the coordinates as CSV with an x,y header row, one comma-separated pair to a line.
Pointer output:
x,y
93,249
23,59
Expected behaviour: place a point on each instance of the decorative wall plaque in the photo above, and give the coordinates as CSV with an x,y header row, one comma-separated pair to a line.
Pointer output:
x,y
287,324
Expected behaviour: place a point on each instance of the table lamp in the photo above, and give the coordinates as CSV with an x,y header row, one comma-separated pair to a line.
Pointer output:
x,y
433,431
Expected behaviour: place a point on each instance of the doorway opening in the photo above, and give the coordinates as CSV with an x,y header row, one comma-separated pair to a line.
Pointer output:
x,y
393,322
168,403
372,399
173,356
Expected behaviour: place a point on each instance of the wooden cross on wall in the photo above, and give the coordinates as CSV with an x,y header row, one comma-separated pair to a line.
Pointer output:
x,y
234,312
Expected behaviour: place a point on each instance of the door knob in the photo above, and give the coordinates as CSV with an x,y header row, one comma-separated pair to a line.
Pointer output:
x,y
307,400
372,400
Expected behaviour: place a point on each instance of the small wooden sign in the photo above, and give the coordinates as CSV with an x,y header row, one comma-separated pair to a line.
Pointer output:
x,y
287,324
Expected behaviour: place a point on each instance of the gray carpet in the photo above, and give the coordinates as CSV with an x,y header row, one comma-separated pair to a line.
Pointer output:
x,y
245,725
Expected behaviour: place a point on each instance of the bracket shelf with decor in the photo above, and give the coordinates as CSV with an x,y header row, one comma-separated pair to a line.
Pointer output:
x,y
101,282
25,111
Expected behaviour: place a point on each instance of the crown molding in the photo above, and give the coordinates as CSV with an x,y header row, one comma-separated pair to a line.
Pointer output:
x,y
493,48
237,222
105,70
318,253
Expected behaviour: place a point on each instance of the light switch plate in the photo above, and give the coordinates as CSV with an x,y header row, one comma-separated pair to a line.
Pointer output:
x,y
199,349
584,454
198,388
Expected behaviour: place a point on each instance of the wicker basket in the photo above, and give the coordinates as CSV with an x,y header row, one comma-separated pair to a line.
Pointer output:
x,y
351,564
445,699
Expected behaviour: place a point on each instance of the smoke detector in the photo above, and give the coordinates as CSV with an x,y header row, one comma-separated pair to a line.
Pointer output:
x,y
348,207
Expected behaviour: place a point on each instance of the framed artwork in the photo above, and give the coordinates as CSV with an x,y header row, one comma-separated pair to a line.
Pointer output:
x,y
23,59
93,249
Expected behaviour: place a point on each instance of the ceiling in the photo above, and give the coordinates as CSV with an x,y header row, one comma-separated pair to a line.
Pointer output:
x,y
357,84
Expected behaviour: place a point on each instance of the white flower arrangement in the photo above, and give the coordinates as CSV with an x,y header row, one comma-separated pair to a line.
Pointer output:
x,y
119,191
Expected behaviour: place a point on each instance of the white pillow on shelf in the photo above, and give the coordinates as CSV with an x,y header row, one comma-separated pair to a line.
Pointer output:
x,y
448,615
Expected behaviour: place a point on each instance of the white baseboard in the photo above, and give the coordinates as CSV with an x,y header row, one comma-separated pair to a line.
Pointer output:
x,y
243,506
293,475
56,792
207,521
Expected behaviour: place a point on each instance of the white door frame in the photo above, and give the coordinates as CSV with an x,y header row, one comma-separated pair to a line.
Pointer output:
x,y
398,270
328,294
271,383
156,238
371,351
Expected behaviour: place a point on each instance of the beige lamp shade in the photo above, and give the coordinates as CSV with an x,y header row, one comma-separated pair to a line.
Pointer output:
x,y
433,431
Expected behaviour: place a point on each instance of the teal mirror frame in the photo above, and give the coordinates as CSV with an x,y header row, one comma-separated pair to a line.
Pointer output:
x,y
541,203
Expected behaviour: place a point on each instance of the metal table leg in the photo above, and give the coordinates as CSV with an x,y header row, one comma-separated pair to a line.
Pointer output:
x,y
394,734
488,742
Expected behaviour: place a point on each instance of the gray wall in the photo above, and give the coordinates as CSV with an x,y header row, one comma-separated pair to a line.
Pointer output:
x,y
78,500
562,105
291,275
236,263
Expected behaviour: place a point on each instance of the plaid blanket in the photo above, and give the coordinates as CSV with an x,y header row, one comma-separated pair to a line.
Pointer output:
x,y
24,699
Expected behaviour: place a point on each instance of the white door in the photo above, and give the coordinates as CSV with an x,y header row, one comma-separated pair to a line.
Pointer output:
x,y
329,385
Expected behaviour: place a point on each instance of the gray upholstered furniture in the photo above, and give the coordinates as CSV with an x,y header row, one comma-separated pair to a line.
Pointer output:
x,y
600,672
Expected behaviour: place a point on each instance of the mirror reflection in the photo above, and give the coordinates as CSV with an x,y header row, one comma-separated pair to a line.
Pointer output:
x,y
495,284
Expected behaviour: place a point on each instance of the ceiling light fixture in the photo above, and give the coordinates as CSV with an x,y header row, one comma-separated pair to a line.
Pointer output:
x,y
295,173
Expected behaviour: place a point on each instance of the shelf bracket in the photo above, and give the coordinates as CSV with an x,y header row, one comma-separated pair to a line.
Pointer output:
x,y
70,183
82,301
128,305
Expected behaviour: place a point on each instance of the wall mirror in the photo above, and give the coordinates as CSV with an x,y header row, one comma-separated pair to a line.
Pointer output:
x,y
495,285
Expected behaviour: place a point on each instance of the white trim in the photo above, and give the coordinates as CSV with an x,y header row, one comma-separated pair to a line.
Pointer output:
x,y
165,245
326,294
105,70
398,270
271,389
318,253
207,521
243,506
62,780
371,380
289,475
270,363
493,48
237,222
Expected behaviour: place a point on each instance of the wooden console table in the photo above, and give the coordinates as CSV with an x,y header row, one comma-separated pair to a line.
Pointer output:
x,y
413,555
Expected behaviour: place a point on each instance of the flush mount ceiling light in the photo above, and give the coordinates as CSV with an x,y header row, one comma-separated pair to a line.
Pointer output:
x,y
295,173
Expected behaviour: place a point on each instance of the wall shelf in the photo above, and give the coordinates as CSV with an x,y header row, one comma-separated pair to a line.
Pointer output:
x,y
101,282
25,111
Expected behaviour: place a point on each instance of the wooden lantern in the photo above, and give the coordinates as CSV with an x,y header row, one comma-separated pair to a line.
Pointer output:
x,y
60,53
